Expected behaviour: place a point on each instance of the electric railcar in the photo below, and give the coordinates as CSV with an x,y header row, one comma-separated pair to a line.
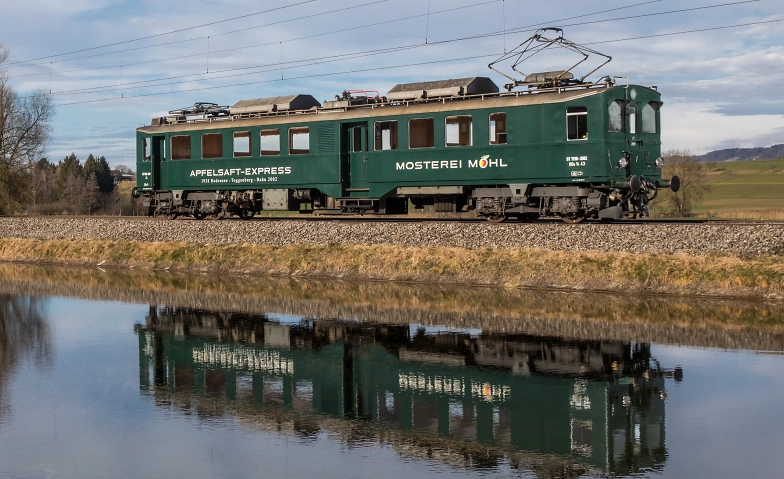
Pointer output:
x,y
561,148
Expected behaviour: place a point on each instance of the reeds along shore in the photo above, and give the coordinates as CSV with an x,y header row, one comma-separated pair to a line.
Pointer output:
x,y
722,276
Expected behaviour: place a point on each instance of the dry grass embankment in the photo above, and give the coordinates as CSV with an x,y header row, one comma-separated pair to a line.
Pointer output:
x,y
752,189
602,271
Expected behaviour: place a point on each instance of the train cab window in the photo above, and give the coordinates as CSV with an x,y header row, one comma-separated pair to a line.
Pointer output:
x,y
615,116
632,111
299,141
356,138
576,123
212,145
498,128
459,131
147,145
181,148
421,133
241,143
649,117
386,135
270,142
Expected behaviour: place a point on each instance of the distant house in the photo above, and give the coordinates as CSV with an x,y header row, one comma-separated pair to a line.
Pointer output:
x,y
123,177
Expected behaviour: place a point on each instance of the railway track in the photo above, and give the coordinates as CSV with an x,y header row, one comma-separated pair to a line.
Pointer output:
x,y
414,219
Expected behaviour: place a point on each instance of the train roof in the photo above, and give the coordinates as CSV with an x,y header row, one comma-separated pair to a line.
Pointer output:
x,y
403,99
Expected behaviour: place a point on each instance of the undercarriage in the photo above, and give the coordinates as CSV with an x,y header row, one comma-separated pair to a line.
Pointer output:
x,y
571,203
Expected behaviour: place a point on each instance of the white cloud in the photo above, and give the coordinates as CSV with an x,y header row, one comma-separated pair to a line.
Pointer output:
x,y
719,80
692,126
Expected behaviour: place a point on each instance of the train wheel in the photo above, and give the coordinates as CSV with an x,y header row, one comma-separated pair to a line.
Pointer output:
x,y
496,219
172,216
573,219
199,215
247,214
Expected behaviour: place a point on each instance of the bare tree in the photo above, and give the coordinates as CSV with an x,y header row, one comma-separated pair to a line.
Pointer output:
x,y
692,174
74,193
92,192
24,131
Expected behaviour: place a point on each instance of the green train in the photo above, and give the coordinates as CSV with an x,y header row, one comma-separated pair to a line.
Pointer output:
x,y
598,406
560,148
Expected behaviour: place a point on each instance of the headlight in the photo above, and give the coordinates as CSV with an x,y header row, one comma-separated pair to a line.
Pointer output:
x,y
659,162
623,163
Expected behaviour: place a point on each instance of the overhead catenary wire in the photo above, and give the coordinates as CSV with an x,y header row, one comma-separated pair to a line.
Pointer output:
x,y
306,37
431,62
156,35
102,88
257,69
593,22
105,88
315,75
427,27
696,30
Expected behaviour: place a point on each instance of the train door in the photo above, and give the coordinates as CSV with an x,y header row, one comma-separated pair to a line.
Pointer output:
x,y
354,153
642,138
632,140
157,154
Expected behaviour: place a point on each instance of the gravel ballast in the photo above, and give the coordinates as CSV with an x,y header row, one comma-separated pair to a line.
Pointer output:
x,y
746,240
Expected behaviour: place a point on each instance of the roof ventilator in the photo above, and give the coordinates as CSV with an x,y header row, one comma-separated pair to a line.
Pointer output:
x,y
355,98
442,89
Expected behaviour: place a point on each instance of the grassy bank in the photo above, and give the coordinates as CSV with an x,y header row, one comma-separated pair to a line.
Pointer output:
x,y
678,274
744,189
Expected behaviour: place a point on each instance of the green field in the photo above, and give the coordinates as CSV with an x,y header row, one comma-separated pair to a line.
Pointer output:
x,y
743,189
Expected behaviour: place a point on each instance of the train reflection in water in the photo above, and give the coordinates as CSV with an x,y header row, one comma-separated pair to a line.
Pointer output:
x,y
475,399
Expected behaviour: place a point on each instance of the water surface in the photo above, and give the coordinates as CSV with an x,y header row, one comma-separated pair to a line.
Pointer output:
x,y
100,388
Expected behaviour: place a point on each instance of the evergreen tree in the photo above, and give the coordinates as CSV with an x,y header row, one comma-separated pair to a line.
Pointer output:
x,y
68,166
103,174
90,165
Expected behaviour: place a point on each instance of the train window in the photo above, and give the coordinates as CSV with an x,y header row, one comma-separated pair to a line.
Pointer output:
x,y
615,116
576,123
649,118
632,110
147,145
356,136
181,147
459,131
241,143
386,135
498,128
270,142
421,133
299,141
212,145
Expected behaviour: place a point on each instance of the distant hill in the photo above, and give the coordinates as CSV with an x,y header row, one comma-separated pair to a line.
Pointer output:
x,y
740,154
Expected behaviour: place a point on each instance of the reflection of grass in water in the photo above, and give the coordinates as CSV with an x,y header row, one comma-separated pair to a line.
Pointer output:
x,y
429,298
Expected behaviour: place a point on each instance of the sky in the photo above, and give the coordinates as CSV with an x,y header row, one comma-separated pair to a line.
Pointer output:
x,y
112,65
